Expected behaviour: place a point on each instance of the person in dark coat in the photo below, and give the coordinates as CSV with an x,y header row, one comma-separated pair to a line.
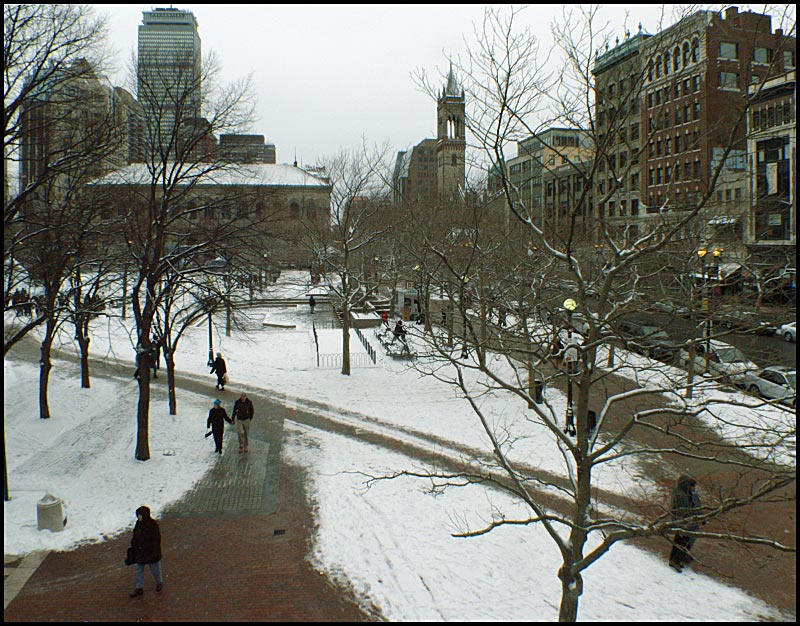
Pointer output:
x,y
221,369
399,331
217,417
242,414
685,504
146,546
312,303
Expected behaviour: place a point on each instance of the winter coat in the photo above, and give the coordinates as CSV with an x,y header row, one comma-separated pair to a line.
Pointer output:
x,y
219,367
146,542
243,410
217,417
685,502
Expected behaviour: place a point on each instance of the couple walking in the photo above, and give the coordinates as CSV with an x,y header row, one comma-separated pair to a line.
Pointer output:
x,y
242,417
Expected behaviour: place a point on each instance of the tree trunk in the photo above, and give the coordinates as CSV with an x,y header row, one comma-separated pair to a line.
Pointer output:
x,y
173,399
143,413
346,338
44,369
571,589
83,343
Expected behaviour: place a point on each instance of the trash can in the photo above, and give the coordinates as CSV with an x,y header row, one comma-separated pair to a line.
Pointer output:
x,y
50,514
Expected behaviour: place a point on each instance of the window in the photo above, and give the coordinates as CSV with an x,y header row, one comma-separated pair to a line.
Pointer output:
x,y
685,53
728,50
762,55
634,132
695,50
728,80
696,110
667,58
677,143
668,146
676,59
788,59
696,83
677,90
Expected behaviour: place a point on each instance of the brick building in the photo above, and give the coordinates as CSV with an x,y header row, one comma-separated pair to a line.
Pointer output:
x,y
436,168
671,107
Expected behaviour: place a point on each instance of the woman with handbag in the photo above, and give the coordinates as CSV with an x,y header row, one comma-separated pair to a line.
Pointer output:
x,y
221,370
145,550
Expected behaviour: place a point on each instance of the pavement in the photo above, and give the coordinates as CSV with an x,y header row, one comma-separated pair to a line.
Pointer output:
x,y
234,549
236,546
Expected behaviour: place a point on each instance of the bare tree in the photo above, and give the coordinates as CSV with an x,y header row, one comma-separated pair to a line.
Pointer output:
x,y
357,223
172,221
573,261
45,47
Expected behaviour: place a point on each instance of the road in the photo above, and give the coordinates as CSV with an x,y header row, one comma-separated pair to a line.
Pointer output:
x,y
761,349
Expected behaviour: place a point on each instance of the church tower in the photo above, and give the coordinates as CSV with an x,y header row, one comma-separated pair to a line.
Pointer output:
x,y
451,139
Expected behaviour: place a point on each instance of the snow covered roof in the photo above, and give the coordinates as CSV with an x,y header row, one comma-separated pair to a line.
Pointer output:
x,y
206,174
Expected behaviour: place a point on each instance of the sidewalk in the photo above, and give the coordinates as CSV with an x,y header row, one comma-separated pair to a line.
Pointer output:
x,y
234,550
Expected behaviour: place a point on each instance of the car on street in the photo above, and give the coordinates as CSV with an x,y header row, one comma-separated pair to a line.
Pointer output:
x,y
580,322
774,382
724,360
646,337
788,331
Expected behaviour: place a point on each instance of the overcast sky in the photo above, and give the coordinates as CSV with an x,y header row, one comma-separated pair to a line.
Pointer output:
x,y
327,75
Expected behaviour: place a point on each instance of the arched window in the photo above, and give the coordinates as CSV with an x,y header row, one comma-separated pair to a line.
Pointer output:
x,y
676,59
695,50
658,67
667,58
685,53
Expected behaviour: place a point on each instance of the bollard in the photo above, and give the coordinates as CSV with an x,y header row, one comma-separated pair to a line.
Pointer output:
x,y
50,514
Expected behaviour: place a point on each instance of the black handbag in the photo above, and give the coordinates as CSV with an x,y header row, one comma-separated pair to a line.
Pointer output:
x,y
129,557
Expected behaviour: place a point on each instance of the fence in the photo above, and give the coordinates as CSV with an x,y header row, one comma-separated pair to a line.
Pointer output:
x,y
358,359
367,346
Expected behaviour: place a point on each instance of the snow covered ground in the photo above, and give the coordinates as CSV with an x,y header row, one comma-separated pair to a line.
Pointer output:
x,y
392,542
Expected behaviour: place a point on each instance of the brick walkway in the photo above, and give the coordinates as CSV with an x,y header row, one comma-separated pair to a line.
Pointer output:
x,y
234,549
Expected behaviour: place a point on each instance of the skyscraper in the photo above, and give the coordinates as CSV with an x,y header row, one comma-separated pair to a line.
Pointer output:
x,y
169,72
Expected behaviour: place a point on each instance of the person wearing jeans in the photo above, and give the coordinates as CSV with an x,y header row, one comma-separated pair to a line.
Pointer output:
x,y
146,546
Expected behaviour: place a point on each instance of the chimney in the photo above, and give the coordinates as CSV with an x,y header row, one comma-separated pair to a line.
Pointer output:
x,y
731,12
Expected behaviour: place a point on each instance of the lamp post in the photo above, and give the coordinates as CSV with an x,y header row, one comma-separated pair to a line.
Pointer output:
x,y
702,253
570,356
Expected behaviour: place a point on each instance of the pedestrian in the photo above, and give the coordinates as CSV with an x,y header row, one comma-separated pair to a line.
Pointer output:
x,y
399,331
146,550
311,304
242,415
217,417
685,504
221,369
155,356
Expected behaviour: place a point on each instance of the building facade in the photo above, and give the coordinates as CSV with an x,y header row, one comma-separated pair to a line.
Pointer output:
x,y
246,149
771,232
169,72
670,117
451,140
435,169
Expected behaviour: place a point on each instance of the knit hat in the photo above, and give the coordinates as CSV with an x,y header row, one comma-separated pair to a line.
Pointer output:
x,y
217,402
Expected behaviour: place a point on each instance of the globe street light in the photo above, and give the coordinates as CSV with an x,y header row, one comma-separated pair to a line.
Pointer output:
x,y
570,358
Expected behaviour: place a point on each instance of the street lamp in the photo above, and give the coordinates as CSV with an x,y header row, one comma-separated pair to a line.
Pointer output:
x,y
570,357
702,253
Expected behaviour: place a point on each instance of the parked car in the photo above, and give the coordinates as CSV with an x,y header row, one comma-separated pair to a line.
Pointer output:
x,y
580,322
724,360
788,331
648,338
775,382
